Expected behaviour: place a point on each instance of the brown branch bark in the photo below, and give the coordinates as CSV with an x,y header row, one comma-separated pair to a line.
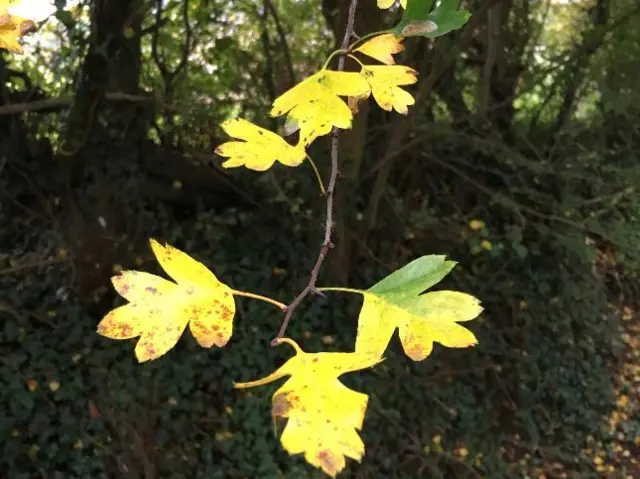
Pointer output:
x,y
310,288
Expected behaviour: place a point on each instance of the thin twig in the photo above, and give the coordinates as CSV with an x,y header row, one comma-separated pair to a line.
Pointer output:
x,y
327,244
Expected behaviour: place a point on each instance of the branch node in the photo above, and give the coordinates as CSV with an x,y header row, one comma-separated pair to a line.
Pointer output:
x,y
317,292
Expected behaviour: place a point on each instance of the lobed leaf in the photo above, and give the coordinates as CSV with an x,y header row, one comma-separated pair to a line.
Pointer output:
x,y
323,414
385,81
159,310
314,105
422,319
260,148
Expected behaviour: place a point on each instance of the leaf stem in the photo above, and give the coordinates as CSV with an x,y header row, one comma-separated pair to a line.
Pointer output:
x,y
291,343
259,297
342,290
333,54
318,177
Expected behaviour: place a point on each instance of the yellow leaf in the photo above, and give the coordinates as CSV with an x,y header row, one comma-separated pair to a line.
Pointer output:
x,y
384,4
11,28
476,225
385,81
382,48
314,105
323,414
259,149
17,20
159,310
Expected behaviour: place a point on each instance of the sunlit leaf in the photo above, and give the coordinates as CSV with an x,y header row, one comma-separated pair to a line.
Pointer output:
x,y
260,148
11,29
382,48
385,81
17,20
159,310
422,319
323,414
314,105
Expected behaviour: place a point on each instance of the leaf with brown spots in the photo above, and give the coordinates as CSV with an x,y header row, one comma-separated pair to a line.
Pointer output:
x,y
385,82
324,416
159,310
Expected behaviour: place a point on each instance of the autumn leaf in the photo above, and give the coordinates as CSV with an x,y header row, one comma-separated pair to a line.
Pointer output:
x,y
385,81
260,148
382,47
17,20
159,310
384,4
314,106
11,29
422,319
323,414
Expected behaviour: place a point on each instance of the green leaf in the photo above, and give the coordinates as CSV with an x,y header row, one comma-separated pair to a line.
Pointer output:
x,y
417,10
447,17
414,278
416,13
419,21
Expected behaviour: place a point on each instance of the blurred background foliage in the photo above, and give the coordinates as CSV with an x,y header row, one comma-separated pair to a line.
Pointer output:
x,y
519,161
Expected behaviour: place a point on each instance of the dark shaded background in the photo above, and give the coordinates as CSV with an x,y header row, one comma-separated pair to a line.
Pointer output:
x,y
526,119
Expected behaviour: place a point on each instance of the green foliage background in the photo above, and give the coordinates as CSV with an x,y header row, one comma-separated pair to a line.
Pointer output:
x,y
526,120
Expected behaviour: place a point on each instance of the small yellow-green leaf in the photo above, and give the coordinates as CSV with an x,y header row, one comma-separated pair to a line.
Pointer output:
x,y
422,319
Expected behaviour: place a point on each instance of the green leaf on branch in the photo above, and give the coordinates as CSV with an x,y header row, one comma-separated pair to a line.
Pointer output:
x,y
419,21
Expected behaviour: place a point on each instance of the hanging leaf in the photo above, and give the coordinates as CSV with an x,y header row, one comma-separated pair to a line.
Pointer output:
x,y
419,20
385,81
260,148
382,47
323,414
422,319
314,105
159,310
